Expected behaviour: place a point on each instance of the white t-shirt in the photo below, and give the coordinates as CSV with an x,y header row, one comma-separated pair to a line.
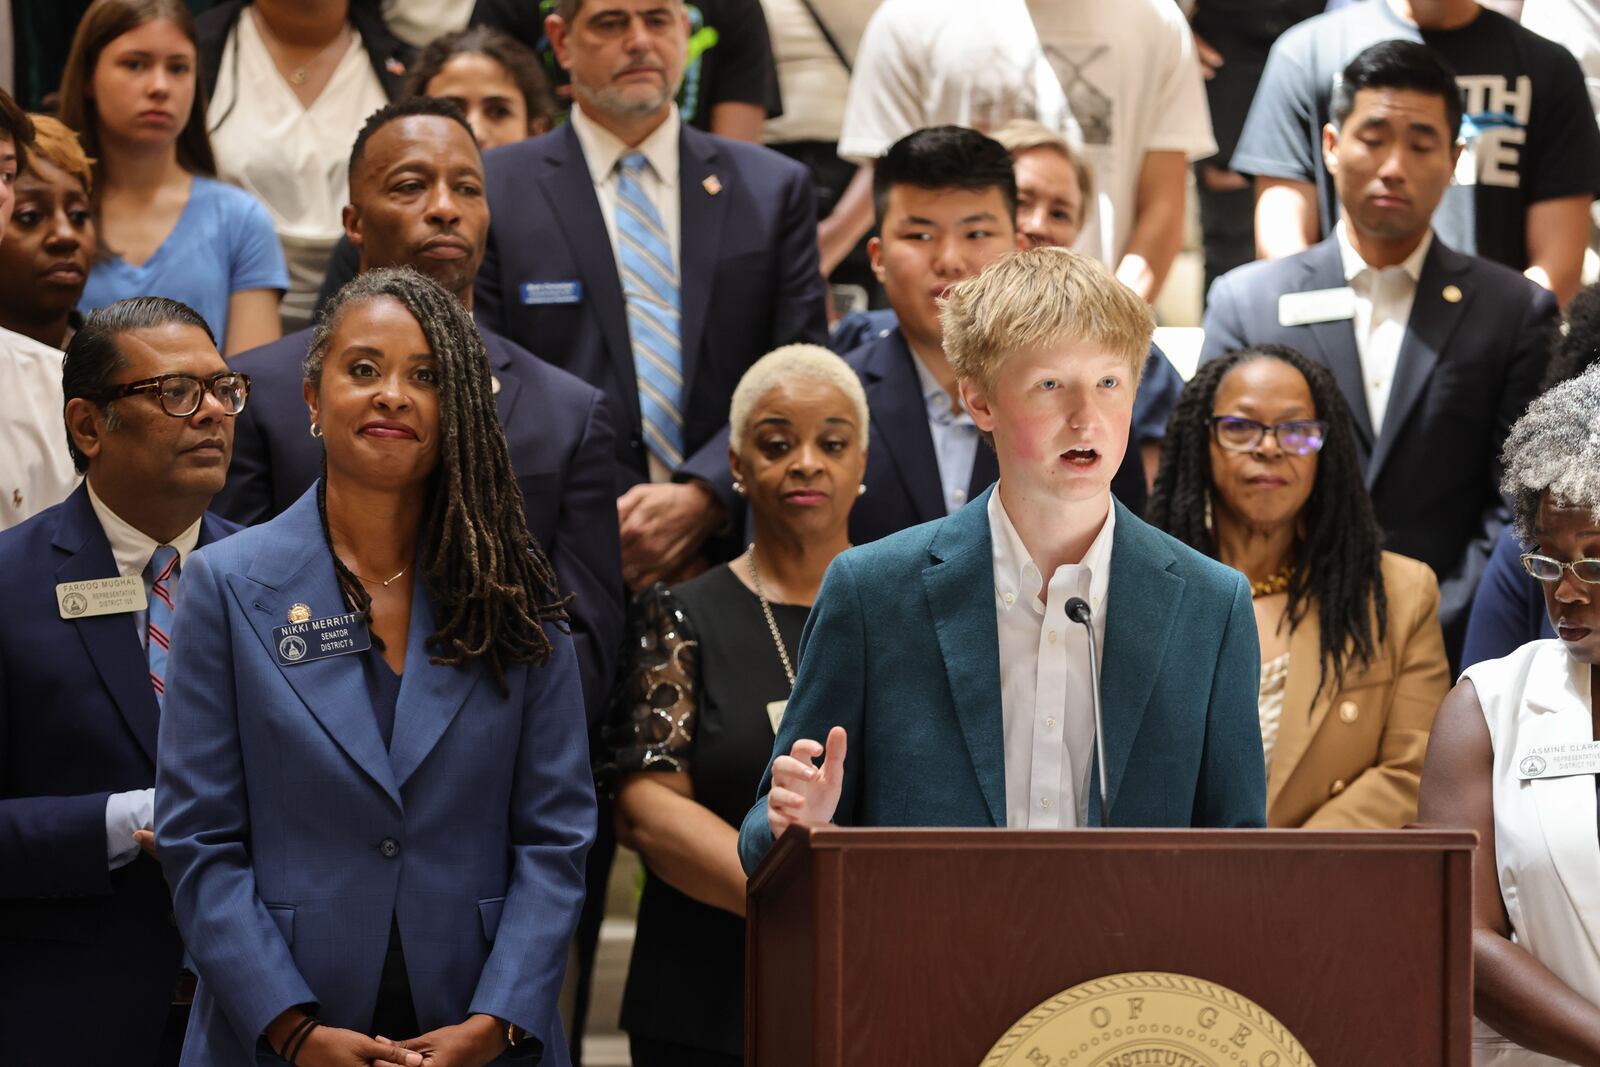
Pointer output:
x,y
417,22
1118,79
36,471
1575,24
295,159
811,79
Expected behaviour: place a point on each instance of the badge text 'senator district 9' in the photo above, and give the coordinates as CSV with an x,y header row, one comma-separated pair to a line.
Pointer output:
x,y
1148,1017
101,596
307,642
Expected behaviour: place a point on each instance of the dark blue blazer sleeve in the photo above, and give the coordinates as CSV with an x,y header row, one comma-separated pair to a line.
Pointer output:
x,y
1508,608
588,557
801,308
1224,332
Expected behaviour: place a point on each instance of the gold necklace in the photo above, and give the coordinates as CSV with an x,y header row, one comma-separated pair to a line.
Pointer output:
x,y
299,75
1274,585
375,581
772,623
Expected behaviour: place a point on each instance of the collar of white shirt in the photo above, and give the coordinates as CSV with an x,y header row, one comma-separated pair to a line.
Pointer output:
x,y
1354,265
1017,579
131,547
602,148
934,396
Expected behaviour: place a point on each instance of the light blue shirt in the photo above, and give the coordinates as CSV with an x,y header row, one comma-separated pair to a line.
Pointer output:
x,y
955,439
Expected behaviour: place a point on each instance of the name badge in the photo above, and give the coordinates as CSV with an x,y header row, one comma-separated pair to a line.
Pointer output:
x,y
101,596
1560,761
552,292
307,642
1318,305
775,709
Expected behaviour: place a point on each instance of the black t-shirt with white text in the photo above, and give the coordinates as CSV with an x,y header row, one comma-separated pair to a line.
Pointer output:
x,y
1529,131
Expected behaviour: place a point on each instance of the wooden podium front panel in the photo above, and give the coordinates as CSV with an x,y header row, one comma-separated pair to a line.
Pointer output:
x,y
930,944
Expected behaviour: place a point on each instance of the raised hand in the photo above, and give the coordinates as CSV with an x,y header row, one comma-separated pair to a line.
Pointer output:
x,y
802,793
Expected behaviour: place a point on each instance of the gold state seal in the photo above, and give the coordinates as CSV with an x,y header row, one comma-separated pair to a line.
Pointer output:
x,y
1148,1019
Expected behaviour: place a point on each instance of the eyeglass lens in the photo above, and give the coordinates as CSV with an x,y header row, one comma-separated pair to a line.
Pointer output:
x,y
1547,569
1298,437
181,396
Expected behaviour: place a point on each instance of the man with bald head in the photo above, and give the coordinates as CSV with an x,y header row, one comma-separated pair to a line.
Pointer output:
x,y
417,200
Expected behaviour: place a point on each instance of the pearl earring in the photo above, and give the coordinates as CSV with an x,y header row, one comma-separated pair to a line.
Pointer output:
x,y
738,487
860,489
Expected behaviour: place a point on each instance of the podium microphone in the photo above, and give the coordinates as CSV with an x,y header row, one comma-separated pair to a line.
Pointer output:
x,y
1078,611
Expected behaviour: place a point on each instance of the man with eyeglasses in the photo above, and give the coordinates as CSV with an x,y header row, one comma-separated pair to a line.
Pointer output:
x,y
1436,352
89,586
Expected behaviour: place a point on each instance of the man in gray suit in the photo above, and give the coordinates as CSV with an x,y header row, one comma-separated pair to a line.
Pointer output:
x,y
1437,353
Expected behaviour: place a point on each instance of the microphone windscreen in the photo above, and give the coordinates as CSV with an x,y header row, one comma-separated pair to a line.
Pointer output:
x,y
1078,610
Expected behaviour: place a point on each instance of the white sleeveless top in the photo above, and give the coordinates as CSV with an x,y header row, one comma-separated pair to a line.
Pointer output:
x,y
1547,832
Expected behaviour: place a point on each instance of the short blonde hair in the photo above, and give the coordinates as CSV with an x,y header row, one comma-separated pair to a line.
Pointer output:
x,y
54,141
1024,135
1036,298
781,365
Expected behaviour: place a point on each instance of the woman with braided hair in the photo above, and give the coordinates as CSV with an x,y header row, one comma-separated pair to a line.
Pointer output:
x,y
1260,471
373,796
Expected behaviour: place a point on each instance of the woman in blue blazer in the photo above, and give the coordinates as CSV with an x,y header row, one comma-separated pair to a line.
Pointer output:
x,y
382,840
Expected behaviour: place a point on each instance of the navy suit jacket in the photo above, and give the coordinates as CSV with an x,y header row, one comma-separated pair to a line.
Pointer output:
x,y
292,836
1508,610
748,264
1467,369
79,944
561,441
902,650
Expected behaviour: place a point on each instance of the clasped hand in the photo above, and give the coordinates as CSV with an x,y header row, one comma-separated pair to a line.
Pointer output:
x,y
802,793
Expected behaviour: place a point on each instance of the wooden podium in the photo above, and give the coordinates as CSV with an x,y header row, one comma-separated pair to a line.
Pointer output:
x,y
923,947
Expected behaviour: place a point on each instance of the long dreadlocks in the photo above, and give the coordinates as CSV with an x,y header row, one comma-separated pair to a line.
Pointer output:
x,y
492,584
1337,563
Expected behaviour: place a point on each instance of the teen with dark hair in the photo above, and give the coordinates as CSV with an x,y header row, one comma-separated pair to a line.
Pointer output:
x,y
166,226
330,873
1260,471
85,916
493,78
1436,353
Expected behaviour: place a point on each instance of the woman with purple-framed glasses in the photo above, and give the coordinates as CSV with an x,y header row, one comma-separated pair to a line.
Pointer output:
x,y
1260,471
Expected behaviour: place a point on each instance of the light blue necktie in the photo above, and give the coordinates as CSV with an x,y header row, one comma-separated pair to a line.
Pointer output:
x,y
650,290
163,575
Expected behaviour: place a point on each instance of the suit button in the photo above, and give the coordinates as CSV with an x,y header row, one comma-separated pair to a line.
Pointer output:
x,y
636,442
1336,788
1349,712
389,847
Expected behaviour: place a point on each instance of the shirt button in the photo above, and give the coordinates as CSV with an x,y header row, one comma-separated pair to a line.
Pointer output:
x,y
960,494
1052,636
389,847
1050,721
1011,598
1044,802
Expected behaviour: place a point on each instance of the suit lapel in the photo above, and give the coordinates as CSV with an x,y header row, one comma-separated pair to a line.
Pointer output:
x,y
507,386
1295,729
570,191
1141,603
699,240
298,569
960,590
430,694
900,423
1433,319
112,640
1336,340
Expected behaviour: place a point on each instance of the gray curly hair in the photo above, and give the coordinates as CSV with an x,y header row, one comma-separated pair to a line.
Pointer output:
x,y
1554,449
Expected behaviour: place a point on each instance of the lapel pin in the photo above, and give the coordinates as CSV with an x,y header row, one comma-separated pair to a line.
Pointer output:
x,y
300,613
712,184
1452,294
394,66
494,384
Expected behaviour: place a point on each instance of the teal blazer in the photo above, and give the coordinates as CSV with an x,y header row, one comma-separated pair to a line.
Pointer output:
x,y
902,650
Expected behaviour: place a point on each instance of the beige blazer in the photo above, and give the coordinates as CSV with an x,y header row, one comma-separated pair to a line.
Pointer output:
x,y
1354,758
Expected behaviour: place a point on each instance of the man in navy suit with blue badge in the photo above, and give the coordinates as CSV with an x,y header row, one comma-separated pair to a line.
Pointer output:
x,y
417,200
86,931
1436,352
654,261
1041,658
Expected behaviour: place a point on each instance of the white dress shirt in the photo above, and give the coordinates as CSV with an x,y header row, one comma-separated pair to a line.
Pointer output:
x,y
36,470
602,150
1383,307
1046,707
955,438
132,548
